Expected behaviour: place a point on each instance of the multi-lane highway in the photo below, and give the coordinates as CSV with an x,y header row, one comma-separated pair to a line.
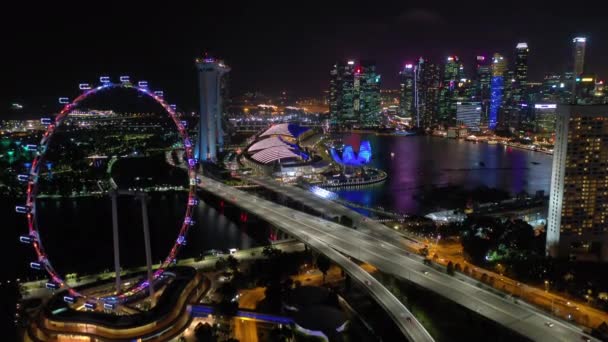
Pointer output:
x,y
533,295
386,252
288,220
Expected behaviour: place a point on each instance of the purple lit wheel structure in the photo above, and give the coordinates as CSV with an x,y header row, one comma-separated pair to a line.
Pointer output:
x,y
32,190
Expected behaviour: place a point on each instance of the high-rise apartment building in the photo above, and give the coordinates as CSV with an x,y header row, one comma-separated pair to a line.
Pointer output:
x,y
578,208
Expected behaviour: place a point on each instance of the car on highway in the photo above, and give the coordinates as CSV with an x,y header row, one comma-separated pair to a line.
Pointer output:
x,y
549,324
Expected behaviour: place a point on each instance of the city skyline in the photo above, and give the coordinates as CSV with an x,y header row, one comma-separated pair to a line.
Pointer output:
x,y
295,58
439,171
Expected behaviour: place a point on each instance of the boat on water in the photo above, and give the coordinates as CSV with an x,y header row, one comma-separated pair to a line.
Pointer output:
x,y
492,142
404,132
535,163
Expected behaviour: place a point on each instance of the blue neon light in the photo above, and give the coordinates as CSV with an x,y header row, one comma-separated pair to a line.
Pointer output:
x,y
348,155
364,156
365,152
496,88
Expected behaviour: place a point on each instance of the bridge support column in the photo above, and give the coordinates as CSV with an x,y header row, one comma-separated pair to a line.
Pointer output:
x,y
115,237
144,216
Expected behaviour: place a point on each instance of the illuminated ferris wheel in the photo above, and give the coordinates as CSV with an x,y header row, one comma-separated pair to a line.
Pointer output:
x,y
29,208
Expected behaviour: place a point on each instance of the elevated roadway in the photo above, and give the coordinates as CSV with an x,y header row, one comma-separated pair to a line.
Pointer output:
x,y
385,249
288,220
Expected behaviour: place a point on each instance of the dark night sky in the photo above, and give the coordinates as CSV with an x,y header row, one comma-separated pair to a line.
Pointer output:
x,y
271,48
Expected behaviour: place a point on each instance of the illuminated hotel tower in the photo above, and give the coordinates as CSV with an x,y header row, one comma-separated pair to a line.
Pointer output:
x,y
211,136
577,224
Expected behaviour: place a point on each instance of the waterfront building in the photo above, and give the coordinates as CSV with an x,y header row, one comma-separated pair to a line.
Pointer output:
x,y
468,114
578,207
499,65
428,92
342,93
212,85
367,94
452,74
406,91
521,72
354,94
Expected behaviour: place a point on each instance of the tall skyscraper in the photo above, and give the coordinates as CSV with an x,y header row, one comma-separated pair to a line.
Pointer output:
x,y
354,94
579,65
579,55
407,90
578,206
453,72
342,93
521,72
367,103
482,79
428,94
211,74
545,115
499,66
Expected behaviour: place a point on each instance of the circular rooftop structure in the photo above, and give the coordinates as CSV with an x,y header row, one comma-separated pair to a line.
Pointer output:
x,y
277,149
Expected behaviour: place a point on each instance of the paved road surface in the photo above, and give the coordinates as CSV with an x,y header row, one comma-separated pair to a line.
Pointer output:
x,y
386,252
288,220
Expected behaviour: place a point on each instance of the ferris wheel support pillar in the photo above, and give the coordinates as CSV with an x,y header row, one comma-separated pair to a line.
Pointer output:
x,y
144,214
114,196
